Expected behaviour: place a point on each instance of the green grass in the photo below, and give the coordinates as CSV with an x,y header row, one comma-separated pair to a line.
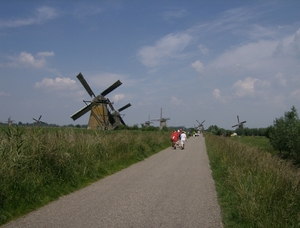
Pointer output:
x,y
255,188
260,142
38,165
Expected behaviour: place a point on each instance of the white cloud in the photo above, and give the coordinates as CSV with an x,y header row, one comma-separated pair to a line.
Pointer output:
x,y
250,55
28,60
176,101
217,95
118,97
45,13
198,66
175,14
56,84
204,50
281,80
258,31
249,87
264,55
169,47
296,94
42,14
295,44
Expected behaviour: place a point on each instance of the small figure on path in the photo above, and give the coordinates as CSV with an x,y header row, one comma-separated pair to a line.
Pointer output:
x,y
174,139
183,138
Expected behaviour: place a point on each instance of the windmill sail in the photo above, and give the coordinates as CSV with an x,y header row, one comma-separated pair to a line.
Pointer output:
x,y
111,88
85,85
124,107
81,112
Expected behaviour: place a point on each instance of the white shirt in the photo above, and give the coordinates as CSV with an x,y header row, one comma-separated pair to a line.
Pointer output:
x,y
183,137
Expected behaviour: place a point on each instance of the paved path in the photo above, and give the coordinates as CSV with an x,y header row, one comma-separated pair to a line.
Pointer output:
x,y
173,188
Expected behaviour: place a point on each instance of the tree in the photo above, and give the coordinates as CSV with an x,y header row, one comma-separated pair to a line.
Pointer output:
x,y
285,134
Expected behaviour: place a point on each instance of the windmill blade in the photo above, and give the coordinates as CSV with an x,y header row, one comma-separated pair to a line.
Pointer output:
x,y
121,120
35,119
124,107
198,122
85,85
202,122
110,105
40,117
238,118
111,118
236,125
243,122
82,111
111,88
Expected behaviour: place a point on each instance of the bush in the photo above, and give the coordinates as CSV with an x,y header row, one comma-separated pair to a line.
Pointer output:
x,y
285,134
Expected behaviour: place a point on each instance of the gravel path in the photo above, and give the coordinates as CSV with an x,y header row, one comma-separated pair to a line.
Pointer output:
x,y
173,188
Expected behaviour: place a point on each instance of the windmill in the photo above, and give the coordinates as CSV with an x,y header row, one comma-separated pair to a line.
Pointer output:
x,y
200,126
148,122
239,124
118,120
162,121
10,121
103,115
38,121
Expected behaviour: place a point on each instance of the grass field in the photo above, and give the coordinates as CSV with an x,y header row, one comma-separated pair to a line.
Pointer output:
x,y
38,165
255,188
260,142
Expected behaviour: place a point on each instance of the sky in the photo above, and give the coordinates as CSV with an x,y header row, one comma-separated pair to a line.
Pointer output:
x,y
196,60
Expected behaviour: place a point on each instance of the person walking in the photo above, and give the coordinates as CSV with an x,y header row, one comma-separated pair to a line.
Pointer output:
x,y
183,138
174,138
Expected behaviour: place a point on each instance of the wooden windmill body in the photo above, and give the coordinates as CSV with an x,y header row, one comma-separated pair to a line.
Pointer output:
x,y
200,126
148,122
9,121
103,116
162,120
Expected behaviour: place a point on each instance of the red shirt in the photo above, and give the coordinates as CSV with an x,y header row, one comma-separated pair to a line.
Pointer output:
x,y
174,136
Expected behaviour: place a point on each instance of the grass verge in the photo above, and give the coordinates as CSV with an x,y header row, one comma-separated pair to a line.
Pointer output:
x,y
255,188
38,165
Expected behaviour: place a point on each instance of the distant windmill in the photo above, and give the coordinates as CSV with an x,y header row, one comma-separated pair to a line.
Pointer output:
x,y
9,121
239,124
148,122
162,121
200,126
38,121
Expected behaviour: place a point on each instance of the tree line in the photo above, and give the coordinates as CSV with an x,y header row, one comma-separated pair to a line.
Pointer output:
x,y
283,135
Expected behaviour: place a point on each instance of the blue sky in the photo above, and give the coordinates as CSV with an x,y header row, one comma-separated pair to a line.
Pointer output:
x,y
197,60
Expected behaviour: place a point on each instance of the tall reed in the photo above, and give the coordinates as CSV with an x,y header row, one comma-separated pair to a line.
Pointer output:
x,y
255,188
38,165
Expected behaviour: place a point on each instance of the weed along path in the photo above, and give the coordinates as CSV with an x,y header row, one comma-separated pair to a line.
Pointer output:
x,y
173,188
